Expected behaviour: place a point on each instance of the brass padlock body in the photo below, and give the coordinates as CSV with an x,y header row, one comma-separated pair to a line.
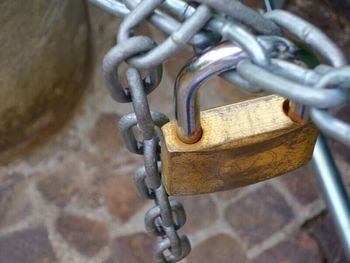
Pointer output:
x,y
241,144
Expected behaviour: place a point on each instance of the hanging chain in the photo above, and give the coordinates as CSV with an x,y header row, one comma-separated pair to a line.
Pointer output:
x,y
166,217
322,88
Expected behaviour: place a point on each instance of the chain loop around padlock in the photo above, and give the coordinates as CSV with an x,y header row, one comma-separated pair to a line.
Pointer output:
x,y
174,43
169,25
269,81
335,128
119,54
243,14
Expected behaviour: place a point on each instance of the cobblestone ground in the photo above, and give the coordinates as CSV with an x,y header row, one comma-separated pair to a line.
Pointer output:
x,y
72,200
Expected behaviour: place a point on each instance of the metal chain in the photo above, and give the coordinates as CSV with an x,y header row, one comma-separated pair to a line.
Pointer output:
x,y
166,217
301,85
210,21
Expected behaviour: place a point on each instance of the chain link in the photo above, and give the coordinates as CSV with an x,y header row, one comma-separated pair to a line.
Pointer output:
x,y
173,44
166,217
200,25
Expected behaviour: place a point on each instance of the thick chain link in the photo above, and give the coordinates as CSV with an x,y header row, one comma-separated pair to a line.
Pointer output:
x,y
322,88
166,217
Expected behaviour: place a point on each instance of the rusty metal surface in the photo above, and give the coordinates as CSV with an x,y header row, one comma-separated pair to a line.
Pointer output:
x,y
241,144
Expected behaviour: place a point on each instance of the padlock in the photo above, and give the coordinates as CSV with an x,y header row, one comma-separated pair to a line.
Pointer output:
x,y
233,145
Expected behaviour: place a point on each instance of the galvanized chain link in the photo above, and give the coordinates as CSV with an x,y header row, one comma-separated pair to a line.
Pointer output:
x,y
166,217
210,21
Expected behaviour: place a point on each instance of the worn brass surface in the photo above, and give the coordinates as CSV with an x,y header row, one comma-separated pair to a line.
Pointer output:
x,y
242,144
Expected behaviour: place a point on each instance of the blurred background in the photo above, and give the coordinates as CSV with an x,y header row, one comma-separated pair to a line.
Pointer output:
x,y
66,190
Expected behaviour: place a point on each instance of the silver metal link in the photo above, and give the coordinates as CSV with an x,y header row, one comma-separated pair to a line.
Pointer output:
x,y
231,30
310,34
243,14
275,47
140,104
164,205
128,121
120,53
140,183
150,158
165,245
135,17
152,215
175,242
172,44
314,94
322,98
168,25
296,73
233,8
166,217
159,19
330,125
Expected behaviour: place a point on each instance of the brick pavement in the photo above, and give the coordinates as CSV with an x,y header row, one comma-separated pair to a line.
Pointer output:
x,y
72,200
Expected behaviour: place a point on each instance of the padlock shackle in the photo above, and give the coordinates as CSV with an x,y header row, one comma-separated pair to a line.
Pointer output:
x,y
217,60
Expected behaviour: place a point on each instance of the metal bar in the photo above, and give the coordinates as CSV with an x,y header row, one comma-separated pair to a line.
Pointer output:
x,y
274,4
333,190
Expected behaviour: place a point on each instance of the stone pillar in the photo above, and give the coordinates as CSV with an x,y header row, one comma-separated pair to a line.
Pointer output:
x,y
43,68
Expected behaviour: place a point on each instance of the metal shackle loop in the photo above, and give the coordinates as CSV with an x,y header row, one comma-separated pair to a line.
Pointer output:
x,y
221,58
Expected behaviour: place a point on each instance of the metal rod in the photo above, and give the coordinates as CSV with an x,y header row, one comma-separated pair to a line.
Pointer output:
x,y
274,4
334,191
268,5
